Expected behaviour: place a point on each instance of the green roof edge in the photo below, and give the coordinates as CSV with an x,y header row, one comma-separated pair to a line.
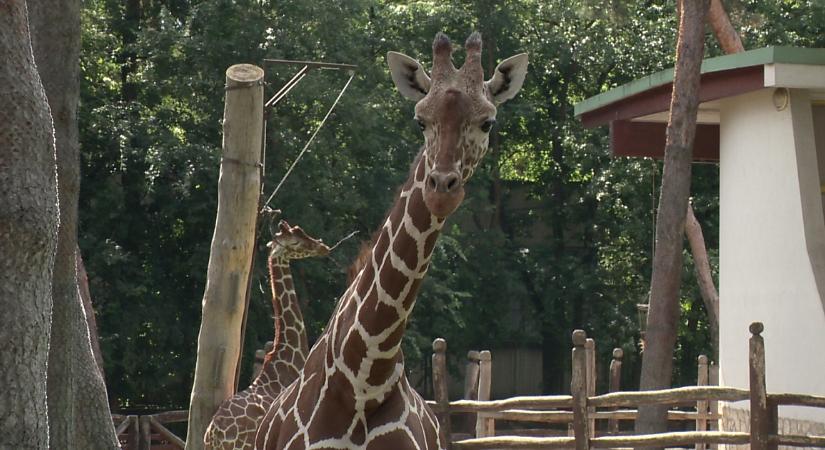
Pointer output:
x,y
759,56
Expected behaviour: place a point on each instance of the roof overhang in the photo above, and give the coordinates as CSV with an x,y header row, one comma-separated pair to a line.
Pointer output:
x,y
637,112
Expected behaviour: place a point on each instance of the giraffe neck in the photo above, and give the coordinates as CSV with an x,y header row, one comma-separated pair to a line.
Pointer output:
x,y
371,319
290,340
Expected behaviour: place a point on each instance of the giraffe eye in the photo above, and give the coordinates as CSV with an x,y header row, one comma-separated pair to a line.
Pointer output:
x,y
488,125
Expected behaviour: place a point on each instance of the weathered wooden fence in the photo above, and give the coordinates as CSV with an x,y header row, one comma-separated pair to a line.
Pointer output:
x,y
583,408
149,432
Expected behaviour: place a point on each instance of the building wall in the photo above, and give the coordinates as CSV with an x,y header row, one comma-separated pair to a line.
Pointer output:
x,y
772,244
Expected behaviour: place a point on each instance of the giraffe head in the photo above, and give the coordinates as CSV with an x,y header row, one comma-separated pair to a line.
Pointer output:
x,y
455,109
294,243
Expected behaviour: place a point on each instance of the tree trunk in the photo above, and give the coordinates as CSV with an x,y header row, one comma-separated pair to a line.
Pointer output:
x,y
231,252
88,310
704,277
725,33
79,415
28,236
663,316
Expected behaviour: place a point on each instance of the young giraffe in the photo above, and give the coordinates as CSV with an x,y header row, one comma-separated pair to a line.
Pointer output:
x,y
353,392
234,424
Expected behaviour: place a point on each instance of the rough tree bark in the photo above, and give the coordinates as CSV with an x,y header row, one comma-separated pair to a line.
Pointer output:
x,y
79,415
230,255
663,316
28,235
725,33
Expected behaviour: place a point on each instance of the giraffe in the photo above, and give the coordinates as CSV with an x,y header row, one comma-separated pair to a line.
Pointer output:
x,y
353,392
234,423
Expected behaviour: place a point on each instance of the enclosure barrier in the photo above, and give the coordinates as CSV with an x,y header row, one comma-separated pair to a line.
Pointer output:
x,y
148,432
580,408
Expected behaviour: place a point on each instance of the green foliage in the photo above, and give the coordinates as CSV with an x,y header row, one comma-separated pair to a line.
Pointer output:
x,y
554,235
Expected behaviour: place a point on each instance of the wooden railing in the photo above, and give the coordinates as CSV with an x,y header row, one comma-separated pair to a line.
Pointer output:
x,y
581,409
149,432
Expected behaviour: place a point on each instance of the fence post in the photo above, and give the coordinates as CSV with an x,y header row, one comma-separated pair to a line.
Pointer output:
x,y
578,389
470,389
615,384
440,391
145,439
702,405
713,378
590,349
485,427
758,393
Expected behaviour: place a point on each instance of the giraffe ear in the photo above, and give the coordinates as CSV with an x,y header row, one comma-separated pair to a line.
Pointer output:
x,y
508,78
408,75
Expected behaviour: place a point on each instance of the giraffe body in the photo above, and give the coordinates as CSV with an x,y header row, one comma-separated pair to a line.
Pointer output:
x,y
235,422
353,392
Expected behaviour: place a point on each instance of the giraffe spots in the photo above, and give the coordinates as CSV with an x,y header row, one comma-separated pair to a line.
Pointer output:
x,y
409,300
334,415
381,245
406,247
376,317
381,369
354,351
291,335
392,281
419,214
359,434
394,439
396,217
393,339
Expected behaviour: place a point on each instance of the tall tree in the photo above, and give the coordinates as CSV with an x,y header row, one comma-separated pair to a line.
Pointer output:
x,y
663,317
28,235
79,415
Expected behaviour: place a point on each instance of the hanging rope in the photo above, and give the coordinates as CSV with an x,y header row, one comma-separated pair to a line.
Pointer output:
x,y
311,138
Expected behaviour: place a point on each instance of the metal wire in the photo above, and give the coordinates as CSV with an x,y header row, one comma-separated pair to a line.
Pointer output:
x,y
311,138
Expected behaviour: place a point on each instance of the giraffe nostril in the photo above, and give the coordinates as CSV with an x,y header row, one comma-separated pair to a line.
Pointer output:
x,y
431,183
452,183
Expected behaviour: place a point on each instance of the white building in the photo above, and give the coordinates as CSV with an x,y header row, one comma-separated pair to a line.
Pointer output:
x,y
762,117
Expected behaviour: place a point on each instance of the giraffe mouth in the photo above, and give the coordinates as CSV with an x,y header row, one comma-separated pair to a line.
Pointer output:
x,y
442,204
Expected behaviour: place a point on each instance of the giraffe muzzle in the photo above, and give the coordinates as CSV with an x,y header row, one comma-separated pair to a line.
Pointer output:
x,y
443,192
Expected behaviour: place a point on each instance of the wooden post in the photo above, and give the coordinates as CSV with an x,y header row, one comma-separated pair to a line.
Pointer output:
x,y
470,389
590,349
702,405
615,384
145,440
760,419
578,389
231,251
713,379
485,427
440,388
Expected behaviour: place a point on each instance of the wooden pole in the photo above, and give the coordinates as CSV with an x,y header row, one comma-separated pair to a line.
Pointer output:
x,y
485,427
615,384
145,440
440,389
713,380
590,350
759,398
702,405
578,389
471,389
231,251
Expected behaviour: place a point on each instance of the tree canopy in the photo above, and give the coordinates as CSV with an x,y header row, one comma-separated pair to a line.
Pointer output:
x,y
555,234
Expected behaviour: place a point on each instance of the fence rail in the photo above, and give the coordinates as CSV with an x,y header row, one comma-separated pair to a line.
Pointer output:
x,y
580,410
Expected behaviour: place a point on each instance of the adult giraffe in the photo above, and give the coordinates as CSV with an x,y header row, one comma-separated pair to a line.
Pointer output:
x,y
353,392
234,424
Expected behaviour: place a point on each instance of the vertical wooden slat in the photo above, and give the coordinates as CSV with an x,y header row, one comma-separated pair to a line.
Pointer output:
x,y
440,390
760,420
702,405
578,389
773,422
615,384
485,427
145,441
713,379
468,420
590,350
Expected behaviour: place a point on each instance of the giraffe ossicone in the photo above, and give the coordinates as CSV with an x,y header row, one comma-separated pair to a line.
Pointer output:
x,y
235,422
353,392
